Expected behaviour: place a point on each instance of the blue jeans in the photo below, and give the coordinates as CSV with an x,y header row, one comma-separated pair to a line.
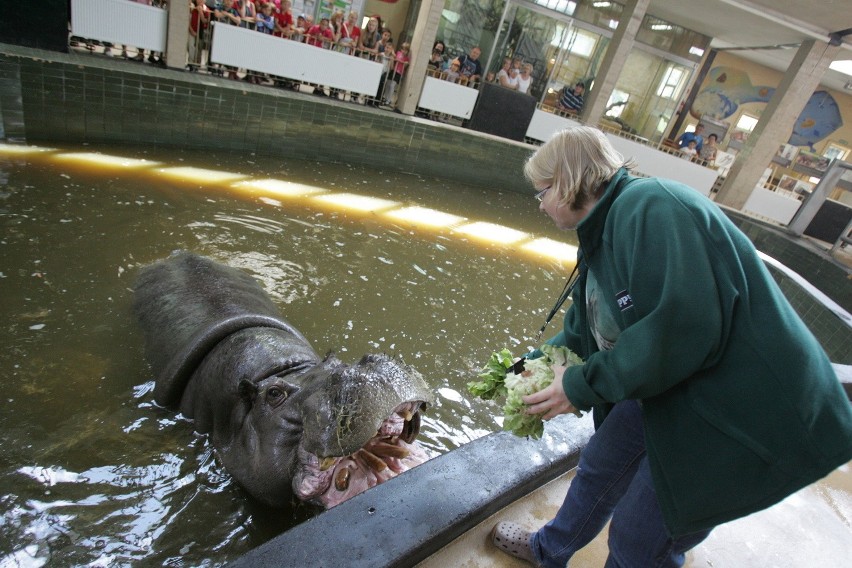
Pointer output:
x,y
613,480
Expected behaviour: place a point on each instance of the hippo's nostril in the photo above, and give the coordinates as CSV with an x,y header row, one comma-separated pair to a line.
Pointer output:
x,y
411,429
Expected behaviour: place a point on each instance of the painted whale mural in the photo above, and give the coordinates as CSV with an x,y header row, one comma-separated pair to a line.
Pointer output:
x,y
283,420
727,88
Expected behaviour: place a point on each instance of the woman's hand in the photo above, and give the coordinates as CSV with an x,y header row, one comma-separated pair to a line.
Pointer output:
x,y
551,400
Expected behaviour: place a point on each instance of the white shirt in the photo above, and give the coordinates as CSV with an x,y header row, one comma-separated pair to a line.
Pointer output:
x,y
523,84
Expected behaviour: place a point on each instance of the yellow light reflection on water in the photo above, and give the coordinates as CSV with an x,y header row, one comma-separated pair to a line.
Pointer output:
x,y
357,202
277,188
425,216
551,248
492,232
200,175
22,149
106,160
271,188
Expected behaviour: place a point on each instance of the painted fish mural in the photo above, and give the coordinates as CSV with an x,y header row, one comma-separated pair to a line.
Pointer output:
x,y
727,88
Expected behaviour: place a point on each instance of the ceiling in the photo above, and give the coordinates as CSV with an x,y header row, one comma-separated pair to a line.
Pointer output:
x,y
761,23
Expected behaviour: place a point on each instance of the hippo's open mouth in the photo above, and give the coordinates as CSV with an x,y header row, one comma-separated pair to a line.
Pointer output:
x,y
332,480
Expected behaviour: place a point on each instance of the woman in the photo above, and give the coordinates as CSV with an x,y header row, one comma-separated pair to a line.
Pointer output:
x,y
708,150
688,345
368,44
506,76
438,60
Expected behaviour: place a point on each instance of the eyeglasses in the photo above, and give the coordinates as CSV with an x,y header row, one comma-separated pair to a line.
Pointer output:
x,y
540,195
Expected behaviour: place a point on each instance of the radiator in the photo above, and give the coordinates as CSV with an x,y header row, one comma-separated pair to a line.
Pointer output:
x,y
120,22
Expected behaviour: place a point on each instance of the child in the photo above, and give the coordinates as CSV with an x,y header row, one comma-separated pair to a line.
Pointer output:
x,y
402,59
452,73
265,19
688,152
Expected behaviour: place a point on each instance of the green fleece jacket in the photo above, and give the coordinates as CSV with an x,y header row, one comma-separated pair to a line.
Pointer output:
x,y
740,404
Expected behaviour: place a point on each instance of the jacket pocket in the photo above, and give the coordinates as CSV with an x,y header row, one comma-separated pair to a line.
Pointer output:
x,y
730,430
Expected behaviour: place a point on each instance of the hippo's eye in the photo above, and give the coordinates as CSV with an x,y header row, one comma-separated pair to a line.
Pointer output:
x,y
276,395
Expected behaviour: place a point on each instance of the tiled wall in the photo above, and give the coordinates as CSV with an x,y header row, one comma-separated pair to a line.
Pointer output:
x,y
79,98
87,99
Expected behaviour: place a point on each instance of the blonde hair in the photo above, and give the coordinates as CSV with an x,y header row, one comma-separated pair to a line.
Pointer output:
x,y
575,163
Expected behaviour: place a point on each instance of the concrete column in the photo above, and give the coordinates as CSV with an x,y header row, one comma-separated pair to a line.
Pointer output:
x,y
177,34
777,121
613,62
425,32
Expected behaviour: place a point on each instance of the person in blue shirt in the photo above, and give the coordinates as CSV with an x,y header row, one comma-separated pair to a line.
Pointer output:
x,y
688,137
571,100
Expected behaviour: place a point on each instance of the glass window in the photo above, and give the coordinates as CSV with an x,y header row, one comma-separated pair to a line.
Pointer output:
x,y
673,80
616,103
746,123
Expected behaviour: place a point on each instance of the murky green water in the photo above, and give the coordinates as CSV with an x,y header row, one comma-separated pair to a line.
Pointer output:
x,y
92,472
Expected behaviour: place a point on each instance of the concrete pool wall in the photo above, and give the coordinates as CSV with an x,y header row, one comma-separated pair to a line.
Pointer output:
x,y
52,98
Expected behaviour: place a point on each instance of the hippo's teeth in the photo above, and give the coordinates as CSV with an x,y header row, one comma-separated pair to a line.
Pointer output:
x,y
406,414
385,450
341,479
327,463
411,428
372,460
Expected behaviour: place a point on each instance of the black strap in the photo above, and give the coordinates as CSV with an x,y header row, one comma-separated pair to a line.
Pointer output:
x,y
566,292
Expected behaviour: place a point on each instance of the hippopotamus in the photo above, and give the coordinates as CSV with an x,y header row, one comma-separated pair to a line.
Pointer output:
x,y
284,421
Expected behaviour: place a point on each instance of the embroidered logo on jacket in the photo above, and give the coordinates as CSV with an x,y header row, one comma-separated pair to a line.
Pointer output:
x,y
624,300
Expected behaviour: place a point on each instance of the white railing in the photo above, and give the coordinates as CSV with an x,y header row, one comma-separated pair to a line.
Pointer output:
x,y
262,53
447,97
651,161
120,22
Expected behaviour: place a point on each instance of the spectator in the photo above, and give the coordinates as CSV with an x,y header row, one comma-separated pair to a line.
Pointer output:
x,y
400,64
505,75
438,60
350,33
265,19
708,150
284,20
199,19
571,100
469,65
688,152
248,14
336,23
368,45
525,80
452,73
321,34
686,137
387,37
300,28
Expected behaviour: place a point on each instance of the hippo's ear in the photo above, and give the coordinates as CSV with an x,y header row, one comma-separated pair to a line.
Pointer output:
x,y
248,392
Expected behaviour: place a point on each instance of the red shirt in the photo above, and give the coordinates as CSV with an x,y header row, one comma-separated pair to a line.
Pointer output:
x,y
284,20
316,33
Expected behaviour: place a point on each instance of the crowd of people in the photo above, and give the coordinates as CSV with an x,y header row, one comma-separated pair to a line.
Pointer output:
x,y
341,33
335,32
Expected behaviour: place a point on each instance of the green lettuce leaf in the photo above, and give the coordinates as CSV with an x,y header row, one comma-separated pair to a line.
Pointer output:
x,y
496,382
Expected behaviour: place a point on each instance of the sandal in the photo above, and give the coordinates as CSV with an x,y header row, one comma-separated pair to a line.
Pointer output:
x,y
514,540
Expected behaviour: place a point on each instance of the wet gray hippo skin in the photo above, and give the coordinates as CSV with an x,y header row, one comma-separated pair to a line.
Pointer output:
x,y
283,420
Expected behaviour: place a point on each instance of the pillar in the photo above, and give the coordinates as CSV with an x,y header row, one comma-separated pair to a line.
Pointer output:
x,y
613,62
777,121
177,35
425,32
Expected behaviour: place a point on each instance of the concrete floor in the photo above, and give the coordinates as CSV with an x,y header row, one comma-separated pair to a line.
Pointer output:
x,y
810,529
